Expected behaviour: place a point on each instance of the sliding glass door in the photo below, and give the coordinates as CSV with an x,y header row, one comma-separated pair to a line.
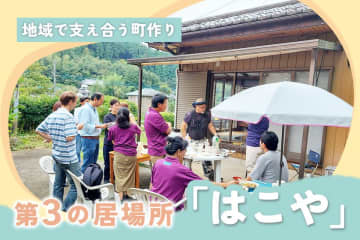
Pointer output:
x,y
225,85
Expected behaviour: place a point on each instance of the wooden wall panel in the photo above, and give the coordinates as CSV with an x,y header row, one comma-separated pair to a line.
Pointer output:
x,y
329,147
329,36
261,63
342,86
320,58
187,67
268,62
340,141
282,62
329,59
307,59
275,64
300,60
233,66
227,66
292,61
253,64
284,58
246,64
211,66
240,65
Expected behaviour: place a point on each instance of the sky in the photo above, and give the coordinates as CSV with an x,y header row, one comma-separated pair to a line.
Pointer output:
x,y
210,8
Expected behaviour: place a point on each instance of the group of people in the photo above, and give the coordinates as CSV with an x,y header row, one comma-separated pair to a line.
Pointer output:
x,y
72,134
262,159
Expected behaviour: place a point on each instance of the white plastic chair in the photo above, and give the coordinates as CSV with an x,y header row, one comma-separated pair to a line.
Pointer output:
x,y
107,192
47,165
146,196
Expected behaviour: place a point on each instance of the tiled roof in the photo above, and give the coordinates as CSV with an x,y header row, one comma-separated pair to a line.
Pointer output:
x,y
289,8
91,82
146,92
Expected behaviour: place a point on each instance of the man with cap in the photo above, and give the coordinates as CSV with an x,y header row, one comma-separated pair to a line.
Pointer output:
x,y
196,124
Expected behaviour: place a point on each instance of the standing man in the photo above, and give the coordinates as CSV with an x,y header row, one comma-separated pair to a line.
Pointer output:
x,y
60,128
156,128
108,145
83,100
92,129
253,149
197,123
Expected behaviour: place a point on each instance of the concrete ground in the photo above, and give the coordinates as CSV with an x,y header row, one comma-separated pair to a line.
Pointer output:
x,y
37,181
27,165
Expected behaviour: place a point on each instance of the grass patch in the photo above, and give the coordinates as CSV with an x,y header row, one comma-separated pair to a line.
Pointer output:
x,y
26,141
30,140
143,138
101,145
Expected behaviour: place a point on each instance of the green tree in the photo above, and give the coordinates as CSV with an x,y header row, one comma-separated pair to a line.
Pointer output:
x,y
165,89
33,81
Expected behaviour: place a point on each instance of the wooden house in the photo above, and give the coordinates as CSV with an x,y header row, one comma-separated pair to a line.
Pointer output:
x,y
222,55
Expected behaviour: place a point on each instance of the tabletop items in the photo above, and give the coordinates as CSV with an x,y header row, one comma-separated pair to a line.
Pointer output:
x,y
203,148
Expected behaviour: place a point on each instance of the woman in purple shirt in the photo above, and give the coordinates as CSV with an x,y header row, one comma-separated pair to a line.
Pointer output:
x,y
169,177
123,137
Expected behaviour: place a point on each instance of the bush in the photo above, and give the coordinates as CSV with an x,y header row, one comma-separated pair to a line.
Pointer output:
x,y
132,107
104,109
169,117
11,121
34,109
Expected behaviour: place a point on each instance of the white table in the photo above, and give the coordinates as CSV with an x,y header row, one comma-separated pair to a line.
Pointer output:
x,y
216,159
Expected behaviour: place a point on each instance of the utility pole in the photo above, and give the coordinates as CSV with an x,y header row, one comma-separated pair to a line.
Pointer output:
x,y
54,73
16,109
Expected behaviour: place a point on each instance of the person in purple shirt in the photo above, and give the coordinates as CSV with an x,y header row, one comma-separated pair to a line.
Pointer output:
x,y
169,177
253,148
156,128
123,137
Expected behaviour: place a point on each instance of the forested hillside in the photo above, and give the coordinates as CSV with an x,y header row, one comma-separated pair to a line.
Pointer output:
x,y
106,62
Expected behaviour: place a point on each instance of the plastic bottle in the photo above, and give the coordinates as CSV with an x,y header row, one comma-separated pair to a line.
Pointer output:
x,y
216,143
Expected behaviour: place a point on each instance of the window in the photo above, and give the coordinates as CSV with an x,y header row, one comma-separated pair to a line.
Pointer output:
x,y
274,77
316,134
226,84
222,91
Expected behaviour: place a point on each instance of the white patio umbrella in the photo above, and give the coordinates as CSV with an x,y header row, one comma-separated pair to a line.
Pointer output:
x,y
286,103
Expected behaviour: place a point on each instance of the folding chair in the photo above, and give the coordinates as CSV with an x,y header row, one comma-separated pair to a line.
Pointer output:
x,y
47,165
146,196
311,165
107,192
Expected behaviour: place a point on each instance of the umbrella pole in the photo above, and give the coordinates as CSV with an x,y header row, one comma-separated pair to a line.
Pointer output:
x,y
281,152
